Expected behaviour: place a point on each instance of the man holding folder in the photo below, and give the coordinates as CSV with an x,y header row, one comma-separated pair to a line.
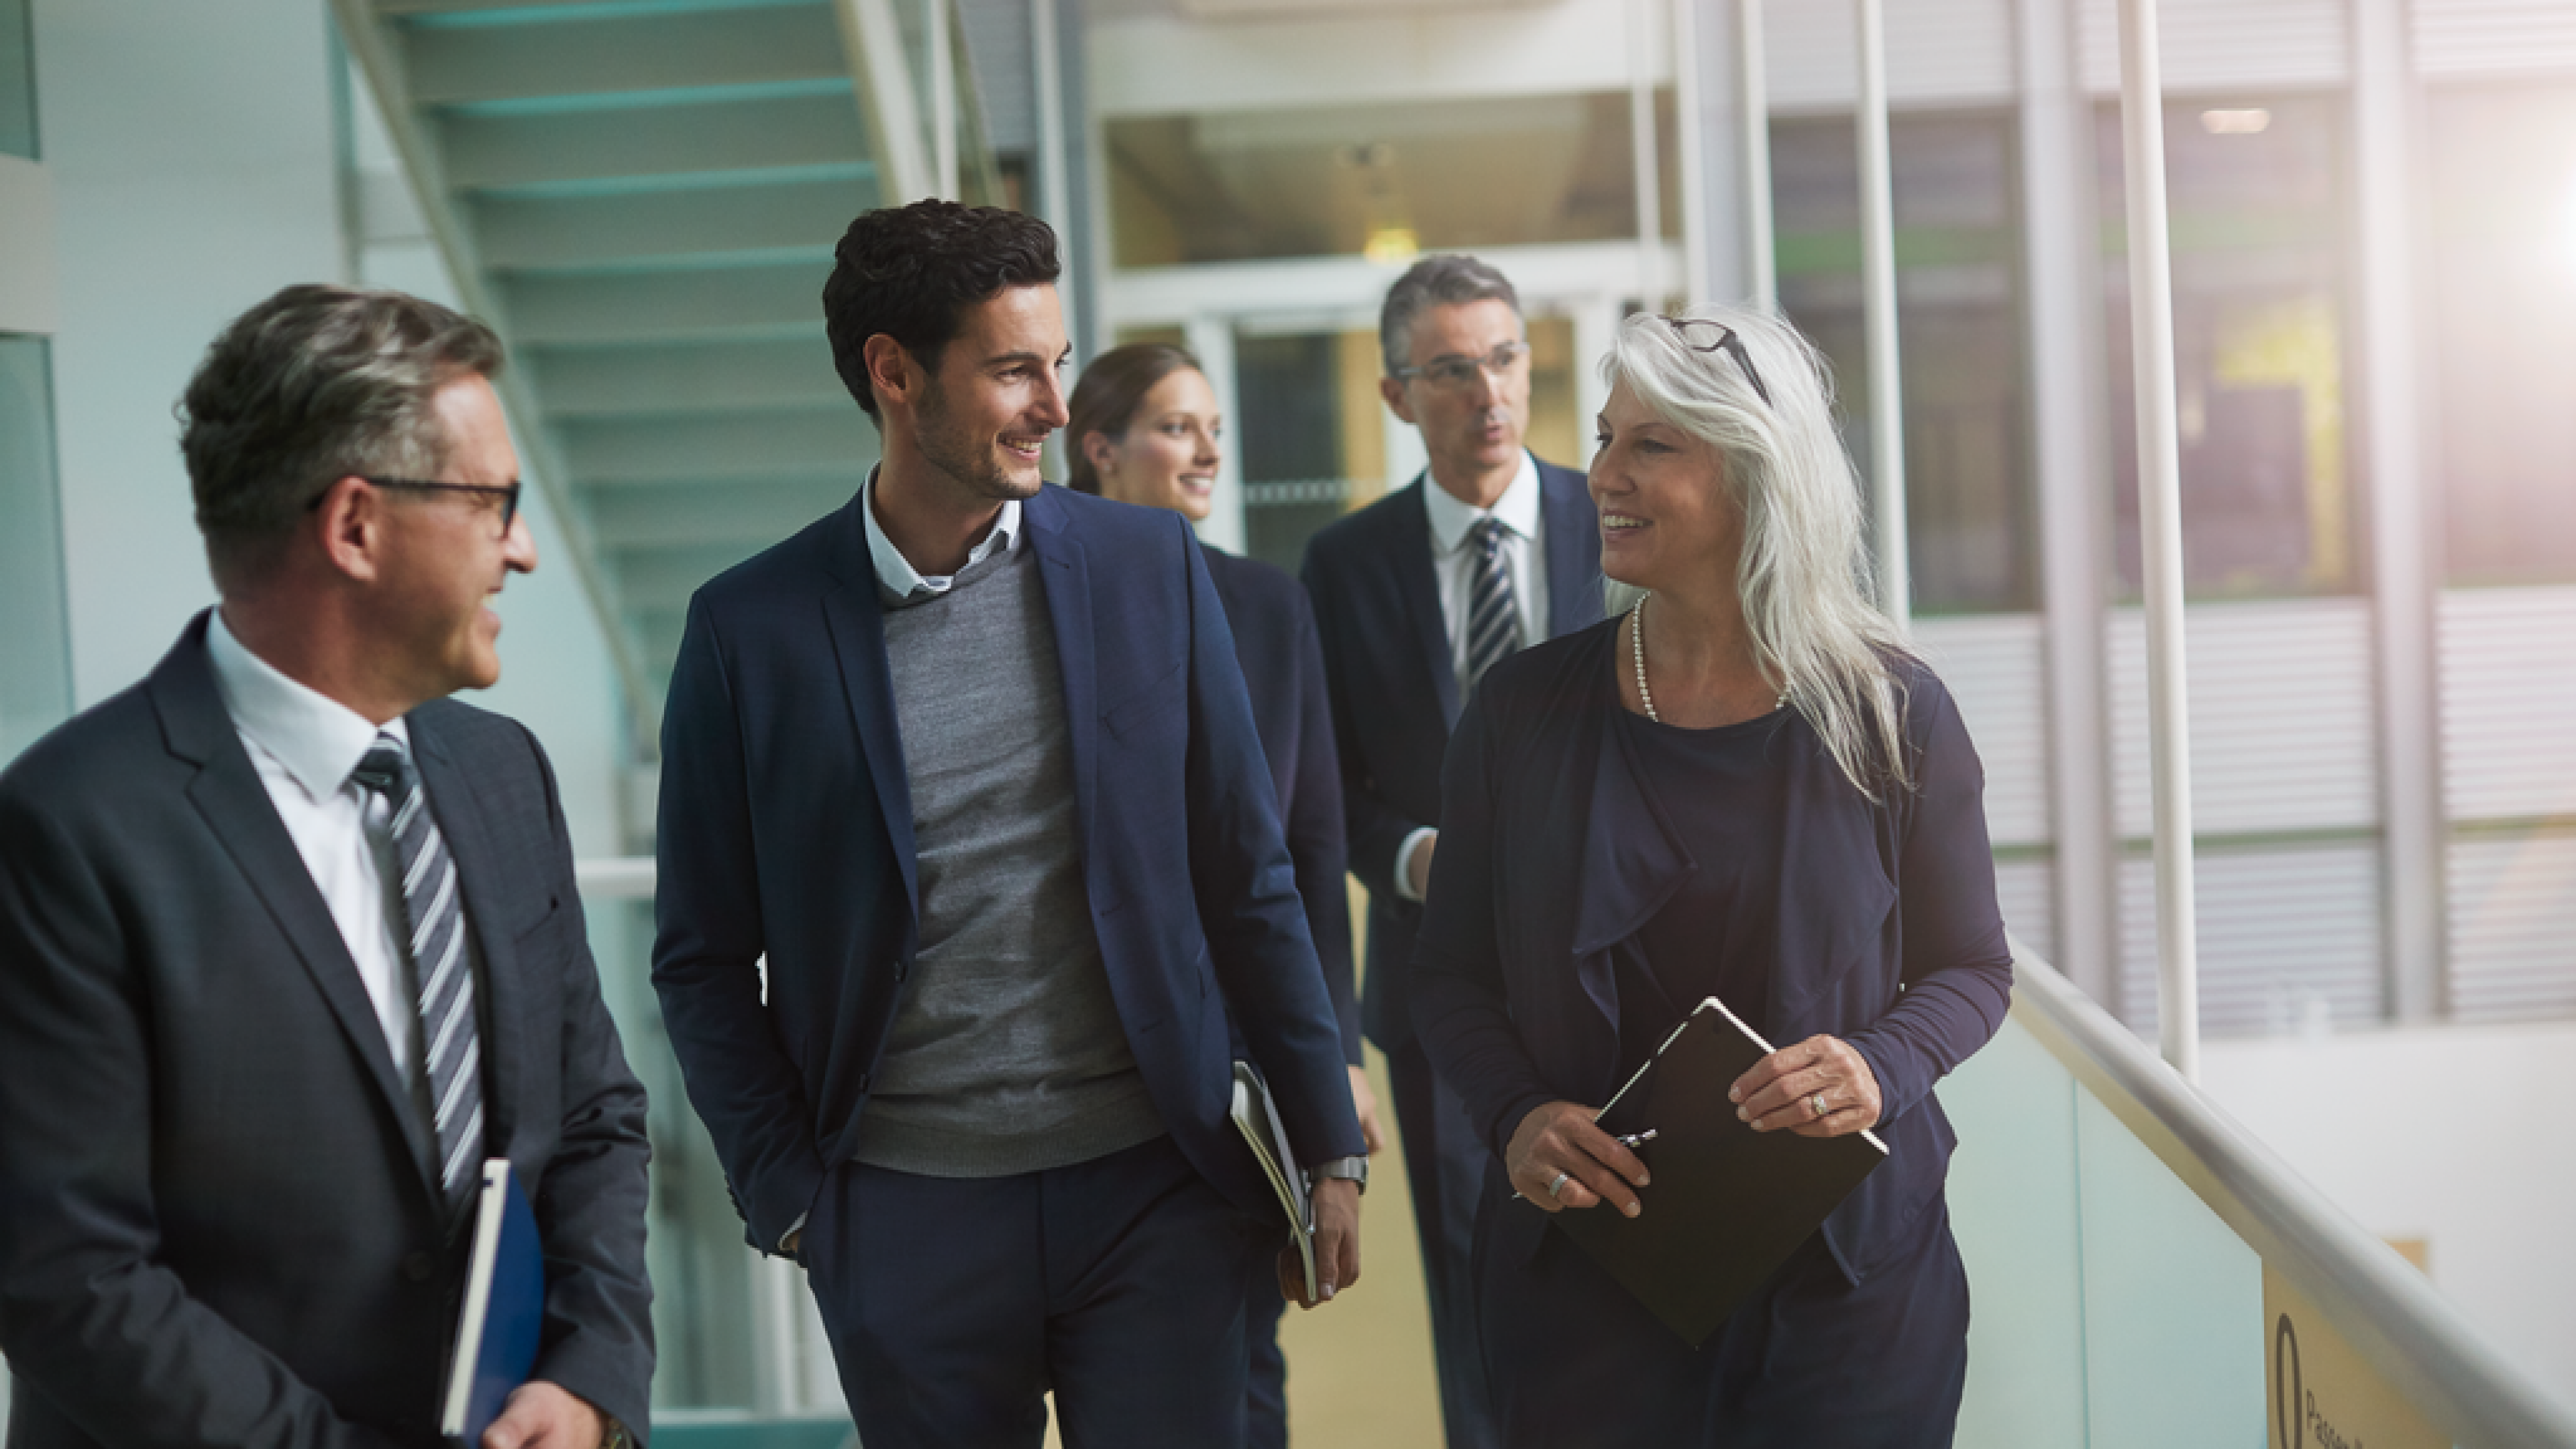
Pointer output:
x,y
289,945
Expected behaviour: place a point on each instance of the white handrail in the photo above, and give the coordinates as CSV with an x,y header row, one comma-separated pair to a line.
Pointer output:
x,y
2390,1313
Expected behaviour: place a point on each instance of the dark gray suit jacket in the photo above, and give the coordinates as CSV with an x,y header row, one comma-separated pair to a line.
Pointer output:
x,y
1395,691
217,1219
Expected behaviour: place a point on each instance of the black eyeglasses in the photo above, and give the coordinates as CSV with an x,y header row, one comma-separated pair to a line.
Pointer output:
x,y
1726,342
509,496
1453,373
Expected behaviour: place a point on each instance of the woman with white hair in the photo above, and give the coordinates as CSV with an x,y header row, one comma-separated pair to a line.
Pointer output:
x,y
1741,785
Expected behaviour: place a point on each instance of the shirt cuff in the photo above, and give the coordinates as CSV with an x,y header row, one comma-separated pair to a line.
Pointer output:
x,y
1404,890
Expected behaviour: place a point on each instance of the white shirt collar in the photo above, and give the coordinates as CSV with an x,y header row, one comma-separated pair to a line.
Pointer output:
x,y
317,738
895,573
1518,508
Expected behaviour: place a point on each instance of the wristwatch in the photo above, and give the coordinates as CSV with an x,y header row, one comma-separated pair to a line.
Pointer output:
x,y
1353,1169
612,1434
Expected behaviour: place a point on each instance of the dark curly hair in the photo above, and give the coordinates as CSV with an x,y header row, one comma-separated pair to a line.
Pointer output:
x,y
310,386
911,272
1113,387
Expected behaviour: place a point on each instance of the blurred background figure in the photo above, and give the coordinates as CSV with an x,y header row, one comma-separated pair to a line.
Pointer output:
x,y
1417,595
1145,428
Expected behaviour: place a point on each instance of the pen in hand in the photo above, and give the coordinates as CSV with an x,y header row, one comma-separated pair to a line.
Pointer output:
x,y
1631,1141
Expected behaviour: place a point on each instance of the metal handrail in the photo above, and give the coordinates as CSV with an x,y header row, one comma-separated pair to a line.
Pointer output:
x,y
2417,1340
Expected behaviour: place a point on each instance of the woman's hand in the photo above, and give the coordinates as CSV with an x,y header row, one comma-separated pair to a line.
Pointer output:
x,y
1558,1159
1818,1088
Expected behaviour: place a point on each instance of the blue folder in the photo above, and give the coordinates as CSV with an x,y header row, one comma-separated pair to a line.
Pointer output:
x,y
505,1308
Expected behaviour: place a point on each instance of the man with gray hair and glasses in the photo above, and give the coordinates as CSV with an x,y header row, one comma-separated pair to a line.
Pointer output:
x,y
289,946
1416,596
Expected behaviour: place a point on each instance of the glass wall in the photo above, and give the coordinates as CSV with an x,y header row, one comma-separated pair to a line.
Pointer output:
x,y
17,80
35,647
2257,191
1383,181
1959,283
2501,329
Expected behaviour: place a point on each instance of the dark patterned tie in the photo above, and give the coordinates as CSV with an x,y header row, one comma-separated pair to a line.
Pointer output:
x,y
449,1050
1493,612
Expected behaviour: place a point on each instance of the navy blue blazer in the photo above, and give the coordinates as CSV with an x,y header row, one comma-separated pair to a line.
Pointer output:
x,y
1551,855
219,1213
1283,671
786,832
1395,690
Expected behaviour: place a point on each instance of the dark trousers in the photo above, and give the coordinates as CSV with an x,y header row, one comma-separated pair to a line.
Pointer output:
x,y
1444,1164
1265,1407
1808,1362
954,1304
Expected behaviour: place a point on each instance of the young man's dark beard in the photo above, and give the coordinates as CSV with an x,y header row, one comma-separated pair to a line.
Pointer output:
x,y
972,458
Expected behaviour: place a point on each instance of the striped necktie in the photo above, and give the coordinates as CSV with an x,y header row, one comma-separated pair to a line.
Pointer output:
x,y
449,1049
1493,612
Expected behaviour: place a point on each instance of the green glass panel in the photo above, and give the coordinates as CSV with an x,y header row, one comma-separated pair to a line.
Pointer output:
x,y
35,649
17,80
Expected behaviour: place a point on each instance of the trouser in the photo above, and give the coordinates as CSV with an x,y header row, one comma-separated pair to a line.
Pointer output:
x,y
954,1304
1444,1164
1809,1361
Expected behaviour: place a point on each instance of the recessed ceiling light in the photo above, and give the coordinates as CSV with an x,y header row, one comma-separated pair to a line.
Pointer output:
x,y
2250,121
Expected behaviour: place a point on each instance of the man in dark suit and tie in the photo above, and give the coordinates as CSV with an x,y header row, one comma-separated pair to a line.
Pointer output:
x,y
289,945
1415,596
970,876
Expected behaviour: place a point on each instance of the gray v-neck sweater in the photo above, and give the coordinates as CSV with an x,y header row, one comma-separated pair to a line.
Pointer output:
x,y
1006,1054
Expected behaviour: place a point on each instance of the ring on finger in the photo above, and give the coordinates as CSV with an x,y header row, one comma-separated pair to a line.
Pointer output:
x,y
1818,1103
1558,1186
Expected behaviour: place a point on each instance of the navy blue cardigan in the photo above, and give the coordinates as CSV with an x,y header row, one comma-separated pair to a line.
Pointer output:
x,y
1550,855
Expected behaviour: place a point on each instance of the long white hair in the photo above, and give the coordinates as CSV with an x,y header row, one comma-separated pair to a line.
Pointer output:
x,y
1804,576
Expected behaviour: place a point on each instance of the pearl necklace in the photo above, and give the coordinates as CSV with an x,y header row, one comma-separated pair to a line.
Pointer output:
x,y
1637,652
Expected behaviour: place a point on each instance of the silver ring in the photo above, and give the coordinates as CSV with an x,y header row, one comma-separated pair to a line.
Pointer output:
x,y
1558,1186
1818,1102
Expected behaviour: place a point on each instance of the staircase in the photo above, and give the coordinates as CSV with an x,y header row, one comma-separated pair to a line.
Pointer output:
x,y
642,197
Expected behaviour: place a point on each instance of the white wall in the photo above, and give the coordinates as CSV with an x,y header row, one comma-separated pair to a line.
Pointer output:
x,y
191,152
2453,1135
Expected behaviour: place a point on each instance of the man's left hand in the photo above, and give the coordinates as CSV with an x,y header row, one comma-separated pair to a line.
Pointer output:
x,y
1337,1245
540,1415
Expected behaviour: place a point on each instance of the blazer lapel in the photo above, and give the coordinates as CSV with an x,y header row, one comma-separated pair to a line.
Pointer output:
x,y
1833,893
1418,597
1065,573
502,1008
854,620
228,793
1573,551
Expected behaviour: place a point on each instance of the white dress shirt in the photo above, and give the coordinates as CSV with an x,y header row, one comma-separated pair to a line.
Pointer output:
x,y
304,744
1454,563
896,574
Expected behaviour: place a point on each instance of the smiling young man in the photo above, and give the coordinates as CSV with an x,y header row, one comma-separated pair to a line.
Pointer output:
x,y
970,879
289,945
1415,596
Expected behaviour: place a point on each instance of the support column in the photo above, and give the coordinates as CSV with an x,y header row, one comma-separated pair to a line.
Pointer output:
x,y
1726,150
1878,299
2405,529
2070,453
2142,121
1211,340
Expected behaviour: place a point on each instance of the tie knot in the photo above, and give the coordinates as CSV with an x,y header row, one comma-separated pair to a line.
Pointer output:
x,y
1488,534
385,769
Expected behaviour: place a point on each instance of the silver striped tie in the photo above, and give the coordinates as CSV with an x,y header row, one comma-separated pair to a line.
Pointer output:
x,y
449,1047
1493,612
